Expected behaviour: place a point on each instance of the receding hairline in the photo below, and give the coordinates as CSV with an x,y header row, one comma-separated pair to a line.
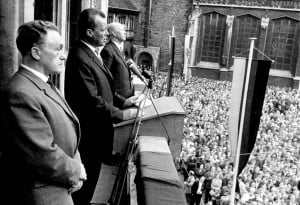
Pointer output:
x,y
87,19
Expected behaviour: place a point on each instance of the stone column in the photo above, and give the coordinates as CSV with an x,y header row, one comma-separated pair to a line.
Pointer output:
x,y
297,72
226,58
195,35
87,4
187,54
9,22
227,41
103,6
263,36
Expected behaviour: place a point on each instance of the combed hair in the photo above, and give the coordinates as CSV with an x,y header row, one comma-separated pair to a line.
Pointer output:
x,y
114,26
86,20
31,33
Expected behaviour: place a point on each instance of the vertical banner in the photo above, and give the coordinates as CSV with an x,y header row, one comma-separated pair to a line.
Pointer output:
x,y
238,83
258,80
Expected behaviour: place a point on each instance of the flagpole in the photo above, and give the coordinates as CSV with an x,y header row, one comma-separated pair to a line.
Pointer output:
x,y
241,127
172,54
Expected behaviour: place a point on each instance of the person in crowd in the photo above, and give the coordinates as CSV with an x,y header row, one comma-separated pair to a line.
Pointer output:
x,y
226,193
200,169
207,187
188,185
197,191
91,93
39,132
216,186
115,60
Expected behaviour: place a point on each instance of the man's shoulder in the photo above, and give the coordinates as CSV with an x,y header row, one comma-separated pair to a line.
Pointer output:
x,y
78,51
76,47
108,46
21,85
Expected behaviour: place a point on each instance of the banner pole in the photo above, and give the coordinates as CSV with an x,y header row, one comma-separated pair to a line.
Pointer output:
x,y
241,127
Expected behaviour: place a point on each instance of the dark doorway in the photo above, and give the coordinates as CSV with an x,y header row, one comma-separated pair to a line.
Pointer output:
x,y
145,61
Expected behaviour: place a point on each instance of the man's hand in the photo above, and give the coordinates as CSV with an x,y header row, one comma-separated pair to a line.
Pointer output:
x,y
82,178
129,113
131,101
76,187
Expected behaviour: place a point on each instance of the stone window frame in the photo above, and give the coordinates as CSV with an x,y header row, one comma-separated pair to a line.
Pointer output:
x,y
279,52
212,27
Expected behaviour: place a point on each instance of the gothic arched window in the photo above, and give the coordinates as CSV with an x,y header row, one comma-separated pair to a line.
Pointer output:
x,y
211,41
244,27
282,44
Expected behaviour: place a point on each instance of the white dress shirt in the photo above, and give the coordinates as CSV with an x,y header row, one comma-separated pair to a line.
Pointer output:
x,y
36,73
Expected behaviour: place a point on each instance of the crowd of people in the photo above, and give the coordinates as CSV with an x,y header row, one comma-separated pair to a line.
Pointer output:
x,y
273,171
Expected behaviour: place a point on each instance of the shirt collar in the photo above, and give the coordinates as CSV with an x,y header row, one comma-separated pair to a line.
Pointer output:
x,y
90,47
118,44
37,73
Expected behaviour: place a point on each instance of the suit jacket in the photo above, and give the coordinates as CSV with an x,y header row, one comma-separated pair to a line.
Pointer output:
x,y
40,137
195,187
90,92
115,62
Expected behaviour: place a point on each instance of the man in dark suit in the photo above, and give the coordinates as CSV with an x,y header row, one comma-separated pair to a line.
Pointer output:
x,y
90,91
40,133
114,59
197,191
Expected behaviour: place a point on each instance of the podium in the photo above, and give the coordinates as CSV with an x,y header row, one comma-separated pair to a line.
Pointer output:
x,y
164,119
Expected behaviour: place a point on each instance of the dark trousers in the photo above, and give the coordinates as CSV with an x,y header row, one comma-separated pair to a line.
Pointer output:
x,y
195,199
207,196
85,194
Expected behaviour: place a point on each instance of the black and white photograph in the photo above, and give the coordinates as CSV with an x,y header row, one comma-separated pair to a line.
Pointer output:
x,y
150,102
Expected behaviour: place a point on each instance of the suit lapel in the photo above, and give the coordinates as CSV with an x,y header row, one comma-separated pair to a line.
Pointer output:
x,y
117,50
49,92
96,60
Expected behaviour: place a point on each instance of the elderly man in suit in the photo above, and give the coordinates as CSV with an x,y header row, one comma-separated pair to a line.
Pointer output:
x,y
40,133
90,91
114,59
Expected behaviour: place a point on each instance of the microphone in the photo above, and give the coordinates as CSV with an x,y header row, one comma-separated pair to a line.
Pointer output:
x,y
147,74
134,68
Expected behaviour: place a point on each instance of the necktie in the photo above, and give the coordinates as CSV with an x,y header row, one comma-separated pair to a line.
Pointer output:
x,y
49,81
59,95
97,52
56,90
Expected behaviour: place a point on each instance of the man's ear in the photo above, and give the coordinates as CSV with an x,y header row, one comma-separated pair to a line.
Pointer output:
x,y
36,53
89,32
113,33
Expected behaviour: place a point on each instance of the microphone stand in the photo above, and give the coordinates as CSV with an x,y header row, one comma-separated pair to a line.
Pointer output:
x,y
117,192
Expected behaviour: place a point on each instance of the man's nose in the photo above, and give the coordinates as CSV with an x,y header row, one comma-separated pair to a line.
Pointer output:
x,y
63,56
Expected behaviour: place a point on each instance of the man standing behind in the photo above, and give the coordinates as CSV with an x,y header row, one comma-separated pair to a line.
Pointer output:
x,y
114,59
90,91
40,133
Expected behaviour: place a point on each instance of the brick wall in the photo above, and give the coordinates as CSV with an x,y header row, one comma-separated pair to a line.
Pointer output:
x,y
165,14
140,22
